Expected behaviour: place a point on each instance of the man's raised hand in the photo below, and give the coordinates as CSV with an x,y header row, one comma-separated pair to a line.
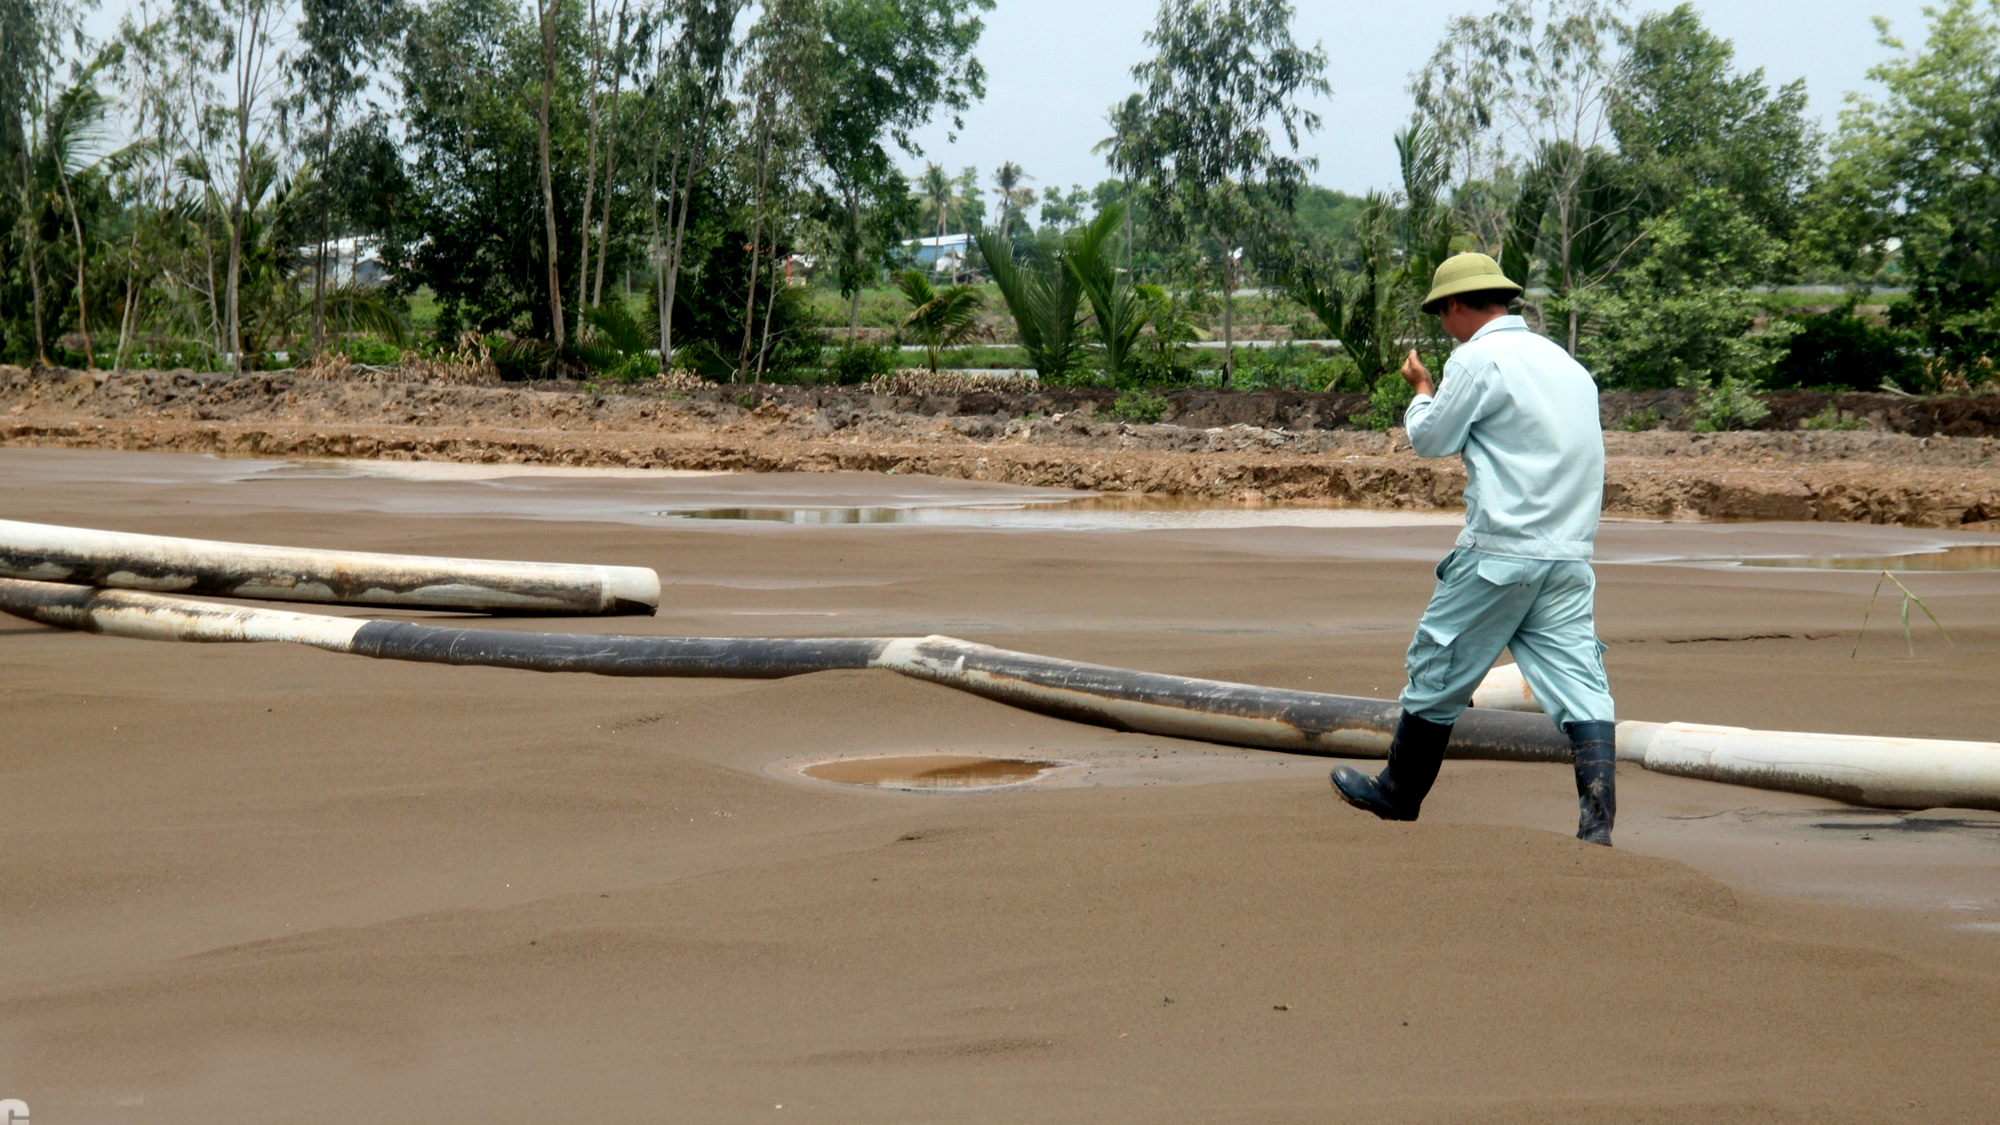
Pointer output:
x,y
1416,374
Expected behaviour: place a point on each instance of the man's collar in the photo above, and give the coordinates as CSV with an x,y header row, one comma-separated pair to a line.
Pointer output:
x,y
1500,324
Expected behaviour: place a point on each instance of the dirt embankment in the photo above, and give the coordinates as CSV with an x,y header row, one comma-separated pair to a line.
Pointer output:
x,y
1924,462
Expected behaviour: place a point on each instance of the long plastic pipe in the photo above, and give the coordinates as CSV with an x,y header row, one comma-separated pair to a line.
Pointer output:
x,y
1896,773
1860,769
119,560
1888,772
1147,702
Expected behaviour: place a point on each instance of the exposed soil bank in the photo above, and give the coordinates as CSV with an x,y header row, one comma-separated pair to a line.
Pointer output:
x,y
1917,462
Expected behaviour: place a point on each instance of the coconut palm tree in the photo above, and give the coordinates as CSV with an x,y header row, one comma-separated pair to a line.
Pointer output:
x,y
939,318
1014,196
1122,150
938,198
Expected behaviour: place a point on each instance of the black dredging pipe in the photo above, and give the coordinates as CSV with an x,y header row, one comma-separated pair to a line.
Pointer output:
x,y
1886,772
121,560
1119,698
1206,710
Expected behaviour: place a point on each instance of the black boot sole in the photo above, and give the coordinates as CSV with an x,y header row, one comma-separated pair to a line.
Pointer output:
x,y
1361,791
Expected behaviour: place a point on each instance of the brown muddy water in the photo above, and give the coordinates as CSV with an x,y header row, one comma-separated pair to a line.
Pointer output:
x,y
788,502
944,772
1949,558
1081,513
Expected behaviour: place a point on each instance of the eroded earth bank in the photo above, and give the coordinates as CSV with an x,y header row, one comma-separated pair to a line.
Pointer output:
x,y
1919,462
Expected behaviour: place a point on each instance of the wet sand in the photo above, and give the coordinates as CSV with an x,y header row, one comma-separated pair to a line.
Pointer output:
x,y
258,883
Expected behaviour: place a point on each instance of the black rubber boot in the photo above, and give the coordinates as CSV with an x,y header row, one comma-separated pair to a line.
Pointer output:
x,y
1594,746
1398,791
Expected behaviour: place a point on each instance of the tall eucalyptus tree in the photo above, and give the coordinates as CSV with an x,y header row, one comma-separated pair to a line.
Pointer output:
x,y
257,64
786,95
892,65
548,14
693,53
340,41
38,36
1224,73
1529,87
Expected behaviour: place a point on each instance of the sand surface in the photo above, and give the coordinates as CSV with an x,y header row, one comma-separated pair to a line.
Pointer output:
x,y
265,883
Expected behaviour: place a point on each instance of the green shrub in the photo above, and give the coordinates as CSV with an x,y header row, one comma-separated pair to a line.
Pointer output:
x,y
1730,404
1639,421
373,351
1140,407
1839,349
1831,418
630,369
1288,367
192,357
1386,403
523,359
973,356
858,363
1337,372
1149,368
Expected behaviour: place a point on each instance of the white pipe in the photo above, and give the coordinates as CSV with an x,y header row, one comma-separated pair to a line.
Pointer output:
x,y
1912,773
148,618
119,560
1908,773
1505,689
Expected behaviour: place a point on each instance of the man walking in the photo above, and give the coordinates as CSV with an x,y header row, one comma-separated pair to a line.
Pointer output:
x,y
1523,416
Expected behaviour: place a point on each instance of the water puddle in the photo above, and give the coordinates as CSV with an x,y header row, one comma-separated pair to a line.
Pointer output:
x,y
345,468
1964,824
1948,558
931,772
1094,513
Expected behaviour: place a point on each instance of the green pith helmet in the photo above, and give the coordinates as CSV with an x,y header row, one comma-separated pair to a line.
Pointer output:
x,y
1466,273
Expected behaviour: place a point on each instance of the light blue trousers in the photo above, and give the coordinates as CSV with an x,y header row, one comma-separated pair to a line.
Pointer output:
x,y
1539,608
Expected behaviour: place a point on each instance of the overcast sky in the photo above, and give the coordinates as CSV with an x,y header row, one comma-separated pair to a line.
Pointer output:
x,y
1055,67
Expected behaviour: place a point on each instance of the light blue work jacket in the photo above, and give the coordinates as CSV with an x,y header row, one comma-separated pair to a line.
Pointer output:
x,y
1524,416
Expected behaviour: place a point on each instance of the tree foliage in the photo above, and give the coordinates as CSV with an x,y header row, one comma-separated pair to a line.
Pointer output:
x,y
1919,171
1223,88
1045,298
1529,87
939,318
554,172
1686,120
1683,316
892,65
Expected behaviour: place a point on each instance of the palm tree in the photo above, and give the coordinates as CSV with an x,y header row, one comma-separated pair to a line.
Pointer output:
x,y
1045,298
1368,307
1122,150
936,197
939,318
75,146
1013,196
1118,311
